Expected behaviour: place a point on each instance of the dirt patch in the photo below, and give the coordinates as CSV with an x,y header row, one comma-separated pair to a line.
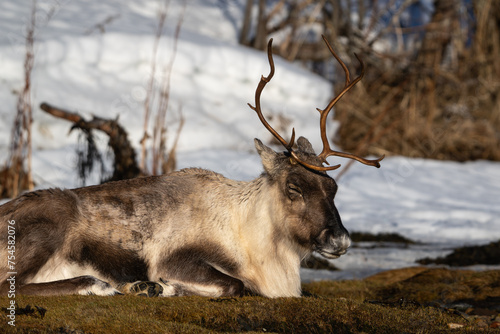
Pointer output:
x,y
438,285
475,296
380,237
472,296
468,256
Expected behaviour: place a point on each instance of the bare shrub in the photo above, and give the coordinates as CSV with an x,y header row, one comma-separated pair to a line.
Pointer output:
x,y
444,104
16,176
158,98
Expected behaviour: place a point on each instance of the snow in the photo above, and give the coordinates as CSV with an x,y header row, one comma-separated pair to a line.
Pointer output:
x,y
441,204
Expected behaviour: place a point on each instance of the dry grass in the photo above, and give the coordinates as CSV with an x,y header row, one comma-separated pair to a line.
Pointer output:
x,y
17,176
438,123
442,101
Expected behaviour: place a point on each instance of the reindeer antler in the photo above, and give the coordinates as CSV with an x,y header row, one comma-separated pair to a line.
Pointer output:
x,y
327,151
263,82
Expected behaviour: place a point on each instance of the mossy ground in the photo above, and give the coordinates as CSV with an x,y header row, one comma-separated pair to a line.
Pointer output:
x,y
359,306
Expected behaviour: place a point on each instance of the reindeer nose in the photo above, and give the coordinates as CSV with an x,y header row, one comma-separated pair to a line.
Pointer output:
x,y
340,244
333,247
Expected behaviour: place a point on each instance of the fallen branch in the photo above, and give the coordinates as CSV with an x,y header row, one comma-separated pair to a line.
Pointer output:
x,y
125,165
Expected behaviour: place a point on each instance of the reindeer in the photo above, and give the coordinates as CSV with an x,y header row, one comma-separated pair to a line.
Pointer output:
x,y
191,232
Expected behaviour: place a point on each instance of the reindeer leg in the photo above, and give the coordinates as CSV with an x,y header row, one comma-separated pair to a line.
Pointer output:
x,y
219,287
174,289
201,271
82,285
142,288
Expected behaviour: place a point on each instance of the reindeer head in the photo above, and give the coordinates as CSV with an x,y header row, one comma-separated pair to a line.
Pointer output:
x,y
307,191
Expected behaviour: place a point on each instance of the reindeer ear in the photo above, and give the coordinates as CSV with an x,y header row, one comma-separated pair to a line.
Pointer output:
x,y
268,157
305,146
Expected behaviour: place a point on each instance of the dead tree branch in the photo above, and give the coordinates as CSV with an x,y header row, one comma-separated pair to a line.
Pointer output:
x,y
125,165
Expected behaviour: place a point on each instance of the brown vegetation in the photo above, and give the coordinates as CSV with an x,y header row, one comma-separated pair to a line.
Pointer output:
x,y
157,100
16,176
434,94
438,106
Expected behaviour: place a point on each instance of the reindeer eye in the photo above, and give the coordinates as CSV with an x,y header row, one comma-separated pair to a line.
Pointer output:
x,y
294,189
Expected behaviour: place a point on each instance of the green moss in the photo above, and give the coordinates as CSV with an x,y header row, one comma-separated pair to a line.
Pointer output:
x,y
123,314
334,307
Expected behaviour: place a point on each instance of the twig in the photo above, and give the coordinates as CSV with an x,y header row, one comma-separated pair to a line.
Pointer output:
x,y
170,165
159,129
151,92
101,25
15,178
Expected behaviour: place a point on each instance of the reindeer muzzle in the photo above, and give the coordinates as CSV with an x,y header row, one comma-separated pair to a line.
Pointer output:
x,y
331,246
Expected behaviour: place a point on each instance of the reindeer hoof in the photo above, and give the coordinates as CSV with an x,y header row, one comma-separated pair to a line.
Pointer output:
x,y
146,289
